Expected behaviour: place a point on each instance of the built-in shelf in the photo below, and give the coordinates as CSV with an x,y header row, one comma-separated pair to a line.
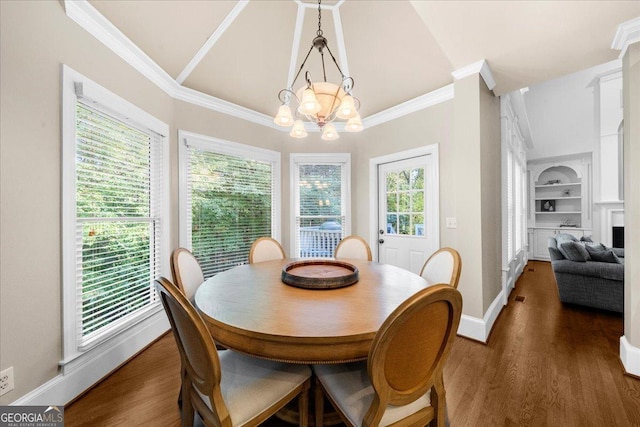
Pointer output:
x,y
558,212
565,184
559,200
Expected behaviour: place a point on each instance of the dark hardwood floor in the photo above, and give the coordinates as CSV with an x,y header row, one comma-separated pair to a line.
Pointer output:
x,y
546,364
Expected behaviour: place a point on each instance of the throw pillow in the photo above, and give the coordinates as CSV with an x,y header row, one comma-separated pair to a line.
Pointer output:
x,y
574,251
566,236
595,246
605,255
587,239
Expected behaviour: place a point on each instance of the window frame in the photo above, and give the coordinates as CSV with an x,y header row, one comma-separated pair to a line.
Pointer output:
x,y
74,87
221,146
516,195
297,159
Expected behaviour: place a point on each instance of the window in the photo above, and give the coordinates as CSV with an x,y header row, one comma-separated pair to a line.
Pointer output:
x,y
516,195
510,205
114,213
405,201
321,185
228,198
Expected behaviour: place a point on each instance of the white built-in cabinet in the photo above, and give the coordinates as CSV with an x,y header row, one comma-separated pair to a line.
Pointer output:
x,y
559,200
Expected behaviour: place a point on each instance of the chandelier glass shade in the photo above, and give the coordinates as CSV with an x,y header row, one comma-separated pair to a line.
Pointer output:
x,y
319,102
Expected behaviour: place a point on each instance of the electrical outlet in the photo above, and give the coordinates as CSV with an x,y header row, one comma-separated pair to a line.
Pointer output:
x,y
451,223
6,381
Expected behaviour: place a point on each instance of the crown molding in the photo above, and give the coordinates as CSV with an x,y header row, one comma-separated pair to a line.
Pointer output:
x,y
211,41
102,29
416,104
85,15
225,107
480,67
627,34
97,25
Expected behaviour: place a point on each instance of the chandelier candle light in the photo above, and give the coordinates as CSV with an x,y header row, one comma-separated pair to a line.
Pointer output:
x,y
320,102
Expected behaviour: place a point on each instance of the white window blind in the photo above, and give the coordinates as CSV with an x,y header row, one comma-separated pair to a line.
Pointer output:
x,y
118,205
230,203
321,194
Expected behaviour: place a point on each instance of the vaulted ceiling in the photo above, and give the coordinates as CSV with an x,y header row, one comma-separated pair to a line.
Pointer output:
x,y
244,52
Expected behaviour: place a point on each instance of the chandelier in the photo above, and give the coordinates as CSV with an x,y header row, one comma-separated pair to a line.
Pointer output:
x,y
319,102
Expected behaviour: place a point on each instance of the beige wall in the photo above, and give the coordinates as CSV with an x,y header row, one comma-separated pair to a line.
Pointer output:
x,y
469,198
36,37
477,195
426,127
490,156
631,83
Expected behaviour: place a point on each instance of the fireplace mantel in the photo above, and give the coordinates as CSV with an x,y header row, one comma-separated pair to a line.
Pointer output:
x,y
611,215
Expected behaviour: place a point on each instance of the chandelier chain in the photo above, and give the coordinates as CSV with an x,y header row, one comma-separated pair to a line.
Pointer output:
x,y
319,32
319,102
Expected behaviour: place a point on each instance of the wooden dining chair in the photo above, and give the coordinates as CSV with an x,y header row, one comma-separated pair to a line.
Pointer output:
x,y
443,266
401,383
265,249
354,247
228,388
186,271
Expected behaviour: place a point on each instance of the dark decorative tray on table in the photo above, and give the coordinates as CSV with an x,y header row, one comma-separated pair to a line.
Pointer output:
x,y
320,274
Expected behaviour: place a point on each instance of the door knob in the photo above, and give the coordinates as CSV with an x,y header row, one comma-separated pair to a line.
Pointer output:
x,y
381,241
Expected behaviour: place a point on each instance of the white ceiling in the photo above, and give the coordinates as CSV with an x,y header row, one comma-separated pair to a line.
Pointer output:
x,y
395,50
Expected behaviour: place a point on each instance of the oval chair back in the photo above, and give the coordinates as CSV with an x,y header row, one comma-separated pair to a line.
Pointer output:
x,y
443,266
402,381
265,249
186,271
219,385
354,247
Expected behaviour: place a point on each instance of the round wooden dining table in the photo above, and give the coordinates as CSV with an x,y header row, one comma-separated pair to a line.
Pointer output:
x,y
250,309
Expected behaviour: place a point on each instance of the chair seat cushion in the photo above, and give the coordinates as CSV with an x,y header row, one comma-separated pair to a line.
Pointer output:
x,y
250,385
348,385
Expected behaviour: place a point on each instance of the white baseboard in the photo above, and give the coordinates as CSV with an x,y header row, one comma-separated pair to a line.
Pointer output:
x,y
479,329
630,357
63,388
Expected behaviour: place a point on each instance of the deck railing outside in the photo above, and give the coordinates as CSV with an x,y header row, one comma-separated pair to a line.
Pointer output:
x,y
315,243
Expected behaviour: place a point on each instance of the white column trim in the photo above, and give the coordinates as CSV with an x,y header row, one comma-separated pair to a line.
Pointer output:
x,y
627,34
630,357
427,100
479,329
480,67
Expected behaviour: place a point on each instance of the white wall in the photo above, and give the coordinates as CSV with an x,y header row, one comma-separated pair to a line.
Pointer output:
x,y
565,118
563,113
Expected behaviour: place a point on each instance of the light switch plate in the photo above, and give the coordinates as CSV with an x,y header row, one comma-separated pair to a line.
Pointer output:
x,y
451,223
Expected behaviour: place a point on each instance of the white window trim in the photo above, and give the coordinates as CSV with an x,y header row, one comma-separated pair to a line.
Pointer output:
x,y
296,159
221,146
73,358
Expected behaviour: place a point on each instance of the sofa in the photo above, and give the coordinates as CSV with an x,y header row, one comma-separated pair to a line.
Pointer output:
x,y
588,273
